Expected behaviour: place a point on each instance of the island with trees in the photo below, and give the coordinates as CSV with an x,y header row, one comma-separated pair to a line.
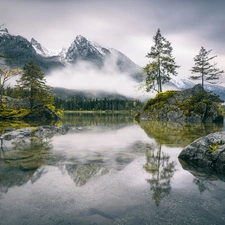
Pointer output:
x,y
31,99
193,105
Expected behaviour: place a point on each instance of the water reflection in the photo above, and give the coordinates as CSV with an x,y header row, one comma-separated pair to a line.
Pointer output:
x,y
95,175
91,119
162,169
81,153
20,158
177,134
204,178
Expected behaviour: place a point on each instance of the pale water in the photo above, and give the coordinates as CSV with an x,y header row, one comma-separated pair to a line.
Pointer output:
x,y
108,169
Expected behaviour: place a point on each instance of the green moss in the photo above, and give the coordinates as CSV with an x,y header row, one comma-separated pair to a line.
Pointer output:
x,y
13,113
137,116
159,100
213,147
200,108
204,104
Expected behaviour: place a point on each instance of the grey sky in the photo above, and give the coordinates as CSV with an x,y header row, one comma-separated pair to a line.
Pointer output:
x,y
127,25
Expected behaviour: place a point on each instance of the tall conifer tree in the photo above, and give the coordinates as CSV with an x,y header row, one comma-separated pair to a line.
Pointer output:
x,y
162,66
32,83
205,70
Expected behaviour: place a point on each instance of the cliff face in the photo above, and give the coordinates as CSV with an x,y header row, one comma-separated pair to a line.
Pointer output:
x,y
191,105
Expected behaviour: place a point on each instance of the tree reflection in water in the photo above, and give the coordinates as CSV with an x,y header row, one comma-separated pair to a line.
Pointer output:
x,y
202,184
161,169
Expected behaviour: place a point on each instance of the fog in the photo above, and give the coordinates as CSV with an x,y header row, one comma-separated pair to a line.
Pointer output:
x,y
85,76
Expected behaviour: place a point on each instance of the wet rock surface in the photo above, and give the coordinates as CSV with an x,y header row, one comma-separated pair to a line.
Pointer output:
x,y
41,131
206,152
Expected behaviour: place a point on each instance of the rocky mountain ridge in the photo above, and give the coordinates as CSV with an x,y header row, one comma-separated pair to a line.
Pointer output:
x,y
81,49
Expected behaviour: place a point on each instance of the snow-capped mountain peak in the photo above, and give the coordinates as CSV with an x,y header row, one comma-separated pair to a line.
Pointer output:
x,y
83,49
5,30
41,50
182,83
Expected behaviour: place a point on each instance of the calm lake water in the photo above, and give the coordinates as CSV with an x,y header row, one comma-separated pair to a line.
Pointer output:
x,y
108,169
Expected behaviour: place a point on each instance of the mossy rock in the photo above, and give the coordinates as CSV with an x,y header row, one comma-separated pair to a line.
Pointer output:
x,y
191,105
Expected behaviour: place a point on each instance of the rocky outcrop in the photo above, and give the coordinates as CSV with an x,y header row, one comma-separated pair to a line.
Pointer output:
x,y
19,109
191,105
39,132
41,113
14,103
208,152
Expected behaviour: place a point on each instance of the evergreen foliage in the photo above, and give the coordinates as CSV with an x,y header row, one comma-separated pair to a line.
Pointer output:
x,y
33,85
205,70
162,66
97,104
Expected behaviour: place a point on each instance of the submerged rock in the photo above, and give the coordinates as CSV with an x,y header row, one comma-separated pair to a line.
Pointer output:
x,y
192,105
41,131
206,152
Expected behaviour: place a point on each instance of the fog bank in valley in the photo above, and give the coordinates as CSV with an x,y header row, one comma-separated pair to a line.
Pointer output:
x,y
85,76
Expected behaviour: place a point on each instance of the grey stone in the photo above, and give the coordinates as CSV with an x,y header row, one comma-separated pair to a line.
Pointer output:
x,y
176,107
41,132
208,152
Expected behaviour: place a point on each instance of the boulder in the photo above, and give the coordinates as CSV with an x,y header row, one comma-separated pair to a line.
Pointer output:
x,y
40,132
192,105
206,152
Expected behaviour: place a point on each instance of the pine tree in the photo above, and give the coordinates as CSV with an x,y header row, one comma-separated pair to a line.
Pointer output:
x,y
32,83
207,72
162,66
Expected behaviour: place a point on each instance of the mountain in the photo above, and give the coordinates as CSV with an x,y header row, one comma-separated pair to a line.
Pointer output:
x,y
185,84
21,50
84,50
81,49
40,50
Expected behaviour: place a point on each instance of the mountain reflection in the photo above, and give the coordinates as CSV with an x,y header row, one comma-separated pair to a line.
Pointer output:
x,y
82,154
160,167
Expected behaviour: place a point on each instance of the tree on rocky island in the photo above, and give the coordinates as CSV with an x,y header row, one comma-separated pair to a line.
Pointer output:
x,y
205,70
33,85
162,66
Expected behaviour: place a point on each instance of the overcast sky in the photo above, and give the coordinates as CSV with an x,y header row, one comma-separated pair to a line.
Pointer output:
x,y
126,25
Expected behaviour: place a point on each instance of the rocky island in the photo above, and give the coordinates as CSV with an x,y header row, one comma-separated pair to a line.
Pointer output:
x,y
192,105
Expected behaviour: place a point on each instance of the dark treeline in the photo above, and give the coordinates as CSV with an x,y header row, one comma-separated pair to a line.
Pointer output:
x,y
86,103
97,104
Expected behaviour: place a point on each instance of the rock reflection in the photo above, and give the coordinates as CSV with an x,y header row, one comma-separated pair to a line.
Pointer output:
x,y
177,134
204,178
161,169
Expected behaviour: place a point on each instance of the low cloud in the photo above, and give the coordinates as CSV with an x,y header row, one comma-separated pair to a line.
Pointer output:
x,y
85,76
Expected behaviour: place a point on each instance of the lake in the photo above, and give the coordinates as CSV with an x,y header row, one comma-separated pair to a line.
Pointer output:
x,y
109,169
